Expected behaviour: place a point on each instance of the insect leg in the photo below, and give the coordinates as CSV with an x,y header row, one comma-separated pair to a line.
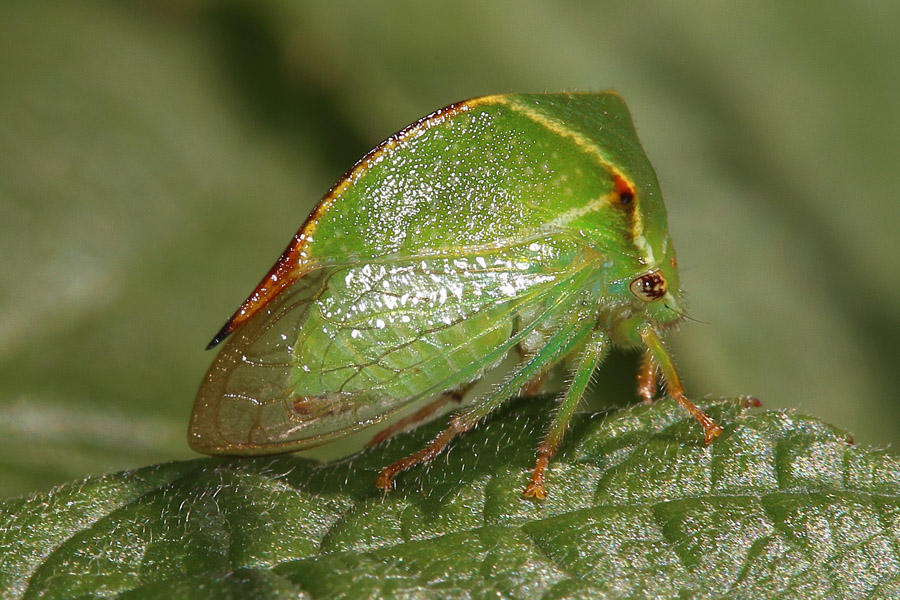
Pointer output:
x,y
420,415
594,351
673,382
559,344
647,378
533,387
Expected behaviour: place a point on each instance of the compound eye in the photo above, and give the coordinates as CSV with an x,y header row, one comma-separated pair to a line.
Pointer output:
x,y
649,287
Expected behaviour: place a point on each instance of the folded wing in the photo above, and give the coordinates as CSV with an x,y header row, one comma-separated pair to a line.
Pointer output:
x,y
348,345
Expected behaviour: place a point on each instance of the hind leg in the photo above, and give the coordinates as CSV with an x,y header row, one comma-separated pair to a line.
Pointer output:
x,y
420,416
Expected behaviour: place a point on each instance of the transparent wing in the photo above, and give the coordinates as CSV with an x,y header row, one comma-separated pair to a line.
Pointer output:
x,y
348,345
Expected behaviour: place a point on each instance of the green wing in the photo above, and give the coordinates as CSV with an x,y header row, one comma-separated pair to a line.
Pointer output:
x,y
348,345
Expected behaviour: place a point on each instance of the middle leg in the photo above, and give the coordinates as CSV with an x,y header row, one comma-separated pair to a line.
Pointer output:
x,y
560,343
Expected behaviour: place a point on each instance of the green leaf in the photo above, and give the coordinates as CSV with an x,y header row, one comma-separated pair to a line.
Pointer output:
x,y
779,506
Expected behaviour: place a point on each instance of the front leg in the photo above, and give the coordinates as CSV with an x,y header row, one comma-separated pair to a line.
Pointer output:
x,y
673,383
647,378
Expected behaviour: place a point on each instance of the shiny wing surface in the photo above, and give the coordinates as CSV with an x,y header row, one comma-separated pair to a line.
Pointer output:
x,y
348,345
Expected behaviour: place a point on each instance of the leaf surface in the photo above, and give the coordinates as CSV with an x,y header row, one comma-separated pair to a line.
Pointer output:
x,y
781,506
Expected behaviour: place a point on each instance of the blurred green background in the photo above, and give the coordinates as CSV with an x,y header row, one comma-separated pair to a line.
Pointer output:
x,y
156,157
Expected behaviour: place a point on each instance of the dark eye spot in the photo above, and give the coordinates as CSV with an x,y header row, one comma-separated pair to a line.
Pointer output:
x,y
649,287
624,190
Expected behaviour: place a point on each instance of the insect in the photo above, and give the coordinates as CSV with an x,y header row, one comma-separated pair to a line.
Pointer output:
x,y
522,222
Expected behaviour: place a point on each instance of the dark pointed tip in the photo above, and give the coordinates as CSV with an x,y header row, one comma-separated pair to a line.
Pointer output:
x,y
223,333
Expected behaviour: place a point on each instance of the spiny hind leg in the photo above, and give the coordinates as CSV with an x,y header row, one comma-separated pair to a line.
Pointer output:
x,y
420,416
385,479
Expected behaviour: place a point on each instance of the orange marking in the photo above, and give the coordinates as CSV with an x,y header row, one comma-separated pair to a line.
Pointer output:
x,y
287,269
624,189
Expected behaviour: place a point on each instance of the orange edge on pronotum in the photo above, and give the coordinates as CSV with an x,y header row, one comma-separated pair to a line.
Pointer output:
x,y
290,265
